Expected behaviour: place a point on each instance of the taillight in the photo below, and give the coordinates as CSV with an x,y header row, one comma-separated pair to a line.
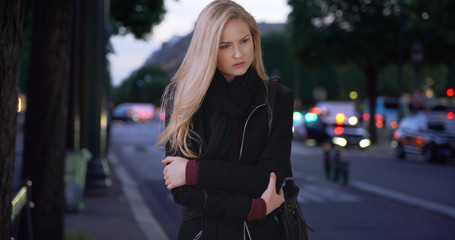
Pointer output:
x,y
338,130
379,118
316,110
339,118
394,124
419,140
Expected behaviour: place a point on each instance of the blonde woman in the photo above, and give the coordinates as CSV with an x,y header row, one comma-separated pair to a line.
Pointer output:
x,y
225,164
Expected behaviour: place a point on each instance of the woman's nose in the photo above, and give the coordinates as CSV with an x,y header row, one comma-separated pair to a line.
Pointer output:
x,y
237,52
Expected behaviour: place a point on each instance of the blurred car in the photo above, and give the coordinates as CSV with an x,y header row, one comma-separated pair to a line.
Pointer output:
x,y
335,123
348,136
386,112
134,112
343,126
431,135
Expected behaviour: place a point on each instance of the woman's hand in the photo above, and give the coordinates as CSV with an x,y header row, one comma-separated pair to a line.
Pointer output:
x,y
271,198
174,172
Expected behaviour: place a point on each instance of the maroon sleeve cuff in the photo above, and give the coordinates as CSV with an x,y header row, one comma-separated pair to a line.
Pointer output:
x,y
257,210
191,172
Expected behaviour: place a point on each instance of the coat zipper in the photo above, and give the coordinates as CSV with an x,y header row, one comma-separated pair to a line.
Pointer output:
x,y
198,235
247,230
245,226
244,129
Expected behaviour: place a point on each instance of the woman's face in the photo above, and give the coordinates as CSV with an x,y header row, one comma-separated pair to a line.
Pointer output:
x,y
236,50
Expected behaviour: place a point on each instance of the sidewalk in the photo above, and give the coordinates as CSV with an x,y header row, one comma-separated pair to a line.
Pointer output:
x,y
114,213
118,212
106,216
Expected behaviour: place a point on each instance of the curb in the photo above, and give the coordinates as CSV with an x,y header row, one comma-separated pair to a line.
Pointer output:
x,y
150,226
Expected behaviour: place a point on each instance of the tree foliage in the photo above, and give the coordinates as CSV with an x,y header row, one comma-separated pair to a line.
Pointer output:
x,y
276,57
432,23
337,31
362,32
135,16
279,61
144,85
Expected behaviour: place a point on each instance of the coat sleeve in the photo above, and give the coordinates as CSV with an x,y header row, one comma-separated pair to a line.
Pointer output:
x,y
216,203
252,180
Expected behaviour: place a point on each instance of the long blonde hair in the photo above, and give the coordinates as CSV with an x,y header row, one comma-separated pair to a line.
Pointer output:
x,y
188,87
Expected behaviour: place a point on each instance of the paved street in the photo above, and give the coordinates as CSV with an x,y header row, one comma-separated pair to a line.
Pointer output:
x,y
385,198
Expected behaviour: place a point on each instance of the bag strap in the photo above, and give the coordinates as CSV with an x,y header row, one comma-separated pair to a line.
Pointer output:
x,y
273,92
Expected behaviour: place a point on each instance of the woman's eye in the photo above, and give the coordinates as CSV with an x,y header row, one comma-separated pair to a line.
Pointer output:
x,y
244,41
224,46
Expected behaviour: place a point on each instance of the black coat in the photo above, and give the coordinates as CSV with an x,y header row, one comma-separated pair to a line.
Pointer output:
x,y
224,191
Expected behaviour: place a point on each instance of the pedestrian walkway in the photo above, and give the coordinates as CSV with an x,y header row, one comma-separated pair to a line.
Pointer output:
x,y
118,212
115,212
106,216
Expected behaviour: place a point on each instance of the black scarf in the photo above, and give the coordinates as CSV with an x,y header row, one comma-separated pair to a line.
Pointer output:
x,y
225,103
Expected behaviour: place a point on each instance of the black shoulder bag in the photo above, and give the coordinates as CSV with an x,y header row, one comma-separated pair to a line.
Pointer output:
x,y
293,226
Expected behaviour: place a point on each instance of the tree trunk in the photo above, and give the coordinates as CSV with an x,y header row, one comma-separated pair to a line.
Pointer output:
x,y
11,17
45,124
371,73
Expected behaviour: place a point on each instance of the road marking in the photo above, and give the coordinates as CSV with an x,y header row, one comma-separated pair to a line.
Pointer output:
x,y
321,192
149,225
405,198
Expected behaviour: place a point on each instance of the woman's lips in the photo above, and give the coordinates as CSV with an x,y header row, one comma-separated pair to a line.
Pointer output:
x,y
238,65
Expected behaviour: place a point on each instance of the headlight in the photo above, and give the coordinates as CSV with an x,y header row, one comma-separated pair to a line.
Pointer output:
x,y
353,120
364,143
340,141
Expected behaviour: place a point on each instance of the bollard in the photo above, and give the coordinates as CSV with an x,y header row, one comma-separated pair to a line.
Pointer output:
x,y
345,172
336,173
327,164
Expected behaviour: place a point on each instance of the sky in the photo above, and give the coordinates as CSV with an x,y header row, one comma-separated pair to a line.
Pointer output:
x,y
181,15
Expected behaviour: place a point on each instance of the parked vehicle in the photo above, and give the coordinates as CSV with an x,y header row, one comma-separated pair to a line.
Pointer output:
x,y
386,112
431,135
336,123
134,112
